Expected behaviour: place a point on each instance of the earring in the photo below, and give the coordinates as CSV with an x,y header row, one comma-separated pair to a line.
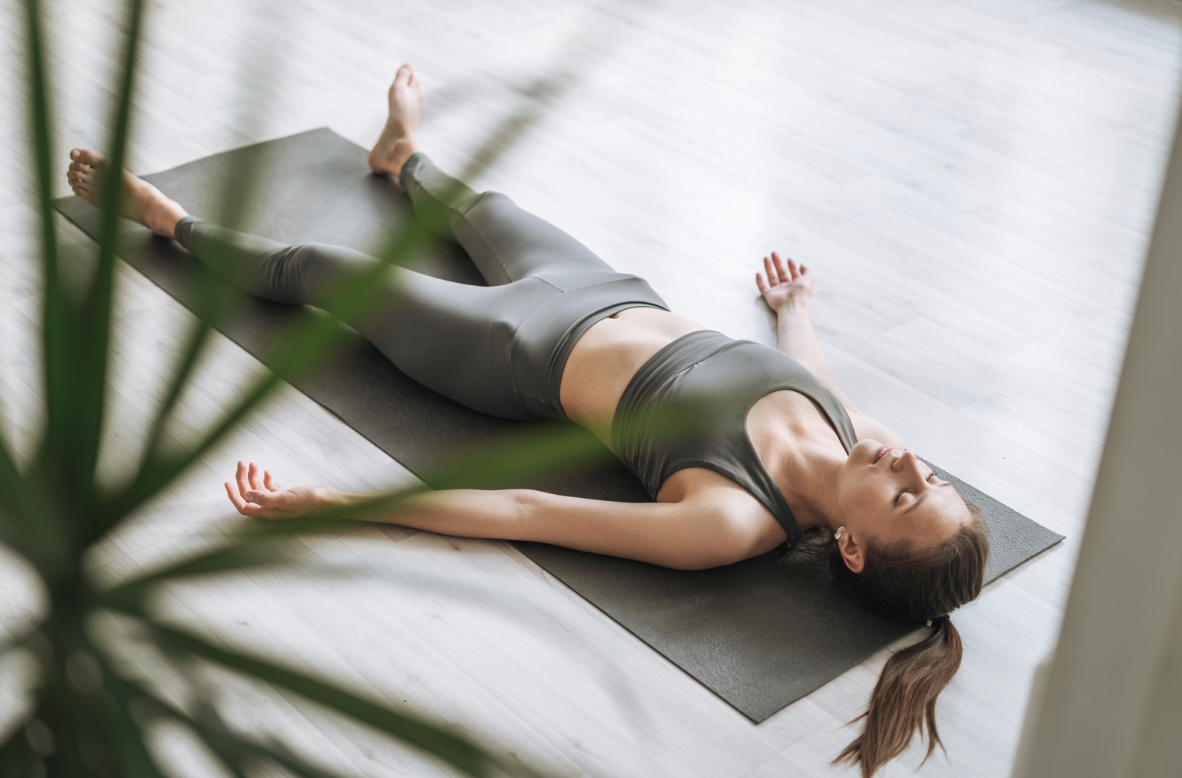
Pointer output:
x,y
837,535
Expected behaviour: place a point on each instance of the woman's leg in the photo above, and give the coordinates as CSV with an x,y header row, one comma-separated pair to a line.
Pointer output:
x,y
499,349
453,338
512,249
506,242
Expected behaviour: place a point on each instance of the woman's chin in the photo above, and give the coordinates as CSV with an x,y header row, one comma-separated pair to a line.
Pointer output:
x,y
865,451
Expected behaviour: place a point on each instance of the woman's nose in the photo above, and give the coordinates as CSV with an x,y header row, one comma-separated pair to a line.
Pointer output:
x,y
907,461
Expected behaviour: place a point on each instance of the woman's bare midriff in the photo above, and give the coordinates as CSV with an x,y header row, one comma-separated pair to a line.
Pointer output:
x,y
607,356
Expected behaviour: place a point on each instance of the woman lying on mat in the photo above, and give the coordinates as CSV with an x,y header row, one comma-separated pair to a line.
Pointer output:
x,y
776,449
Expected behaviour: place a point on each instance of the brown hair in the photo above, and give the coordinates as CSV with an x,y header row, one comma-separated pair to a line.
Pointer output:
x,y
921,585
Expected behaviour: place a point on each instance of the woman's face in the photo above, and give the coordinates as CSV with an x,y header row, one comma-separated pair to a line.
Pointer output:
x,y
886,494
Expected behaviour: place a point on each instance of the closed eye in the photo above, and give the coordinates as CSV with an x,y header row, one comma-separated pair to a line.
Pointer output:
x,y
932,478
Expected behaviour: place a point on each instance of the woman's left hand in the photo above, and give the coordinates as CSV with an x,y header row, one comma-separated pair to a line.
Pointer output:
x,y
263,499
785,282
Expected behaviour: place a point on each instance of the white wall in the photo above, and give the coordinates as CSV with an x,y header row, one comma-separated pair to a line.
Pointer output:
x,y
1109,703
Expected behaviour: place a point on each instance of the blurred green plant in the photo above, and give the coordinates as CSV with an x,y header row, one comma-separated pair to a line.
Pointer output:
x,y
87,715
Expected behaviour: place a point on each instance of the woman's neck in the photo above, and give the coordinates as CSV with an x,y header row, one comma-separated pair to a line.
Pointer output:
x,y
805,457
809,476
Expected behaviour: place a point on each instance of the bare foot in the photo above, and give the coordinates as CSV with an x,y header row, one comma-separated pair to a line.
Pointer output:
x,y
397,142
142,202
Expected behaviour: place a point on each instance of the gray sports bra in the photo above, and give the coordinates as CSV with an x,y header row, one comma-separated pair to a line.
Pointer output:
x,y
687,407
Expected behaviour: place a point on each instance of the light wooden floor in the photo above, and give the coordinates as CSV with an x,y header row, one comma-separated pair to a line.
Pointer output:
x,y
973,180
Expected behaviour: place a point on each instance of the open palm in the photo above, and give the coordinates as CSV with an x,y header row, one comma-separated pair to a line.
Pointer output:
x,y
785,281
262,498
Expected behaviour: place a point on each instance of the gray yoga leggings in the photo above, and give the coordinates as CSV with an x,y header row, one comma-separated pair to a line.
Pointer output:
x,y
499,349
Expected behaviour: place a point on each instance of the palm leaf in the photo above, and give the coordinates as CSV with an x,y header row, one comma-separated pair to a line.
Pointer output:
x,y
55,309
234,749
13,501
256,552
127,732
314,338
308,343
94,314
14,507
215,299
57,710
517,458
46,541
51,513
17,758
455,750
214,302
208,725
53,312
527,453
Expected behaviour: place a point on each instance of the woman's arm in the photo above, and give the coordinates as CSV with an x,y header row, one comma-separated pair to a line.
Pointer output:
x,y
687,535
787,291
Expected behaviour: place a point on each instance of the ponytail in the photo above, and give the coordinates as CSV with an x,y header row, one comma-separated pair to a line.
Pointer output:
x,y
904,699
920,586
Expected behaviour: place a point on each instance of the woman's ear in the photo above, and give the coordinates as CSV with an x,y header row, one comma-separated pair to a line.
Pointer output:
x,y
851,550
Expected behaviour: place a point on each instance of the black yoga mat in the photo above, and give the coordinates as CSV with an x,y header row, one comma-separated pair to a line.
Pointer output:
x,y
758,634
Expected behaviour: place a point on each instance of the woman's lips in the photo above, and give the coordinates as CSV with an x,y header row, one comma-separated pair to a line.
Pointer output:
x,y
882,452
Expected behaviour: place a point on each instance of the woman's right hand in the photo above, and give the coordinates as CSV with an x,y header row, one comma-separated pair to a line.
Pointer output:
x,y
785,283
263,499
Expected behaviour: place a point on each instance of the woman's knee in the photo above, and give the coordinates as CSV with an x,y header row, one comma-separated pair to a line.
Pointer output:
x,y
485,208
316,271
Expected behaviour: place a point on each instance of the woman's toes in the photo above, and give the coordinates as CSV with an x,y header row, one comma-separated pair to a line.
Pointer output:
x,y
78,172
87,157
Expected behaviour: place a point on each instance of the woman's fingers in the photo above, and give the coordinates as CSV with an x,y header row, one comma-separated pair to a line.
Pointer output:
x,y
235,497
250,508
786,273
791,273
241,477
249,496
253,474
780,271
759,283
240,503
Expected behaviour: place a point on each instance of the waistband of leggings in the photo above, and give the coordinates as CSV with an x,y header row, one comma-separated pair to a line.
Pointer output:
x,y
563,321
